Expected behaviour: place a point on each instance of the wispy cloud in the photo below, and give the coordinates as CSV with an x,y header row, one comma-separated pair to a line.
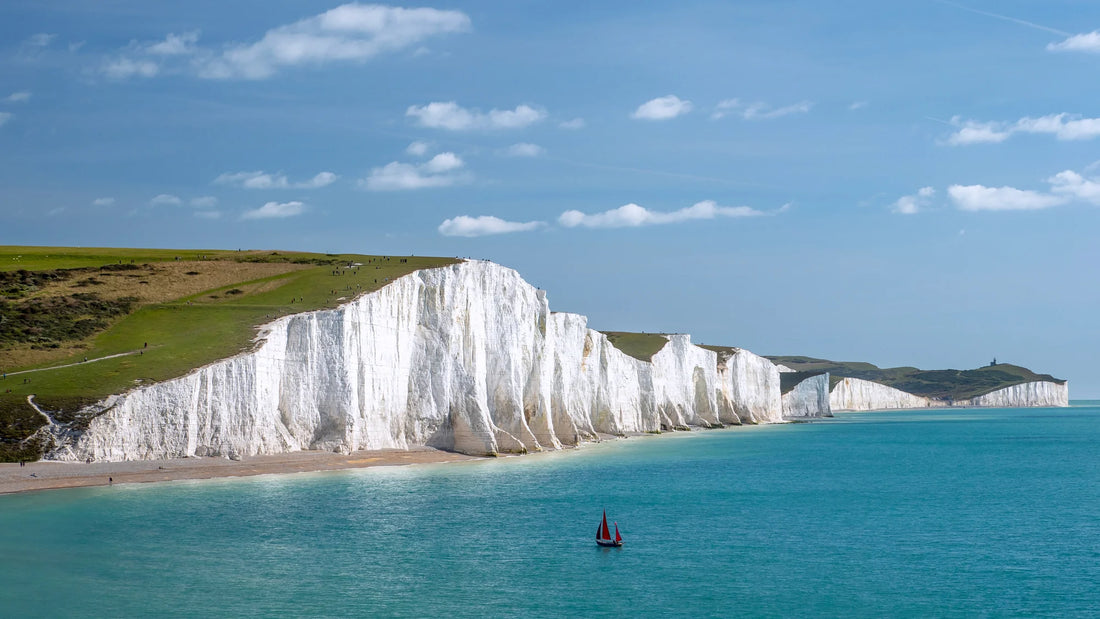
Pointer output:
x,y
1087,42
41,39
264,180
484,225
451,116
125,67
418,149
575,123
443,170
5,117
662,108
175,45
204,202
982,198
276,210
1063,126
857,105
632,215
758,110
912,204
108,201
18,97
524,149
165,199
351,33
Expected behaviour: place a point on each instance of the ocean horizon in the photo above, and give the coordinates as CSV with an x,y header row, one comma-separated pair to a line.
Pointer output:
x,y
942,512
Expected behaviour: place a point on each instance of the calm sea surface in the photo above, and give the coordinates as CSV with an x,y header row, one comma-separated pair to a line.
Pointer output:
x,y
907,514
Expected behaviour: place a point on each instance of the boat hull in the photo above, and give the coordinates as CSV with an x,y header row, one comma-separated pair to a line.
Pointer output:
x,y
607,543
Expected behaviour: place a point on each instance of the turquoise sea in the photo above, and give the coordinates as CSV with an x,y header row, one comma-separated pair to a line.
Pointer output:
x,y
958,513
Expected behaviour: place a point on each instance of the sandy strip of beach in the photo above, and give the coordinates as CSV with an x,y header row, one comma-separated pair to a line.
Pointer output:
x,y
52,475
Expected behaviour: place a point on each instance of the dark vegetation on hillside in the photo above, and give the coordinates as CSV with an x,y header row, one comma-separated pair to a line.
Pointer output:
x,y
942,384
47,322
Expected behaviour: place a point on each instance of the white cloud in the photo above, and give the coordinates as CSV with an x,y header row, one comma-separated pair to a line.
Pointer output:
x,y
439,171
103,201
973,132
449,115
1063,126
18,97
662,108
857,105
909,205
263,180
576,123
175,45
982,198
348,33
418,149
5,117
275,210
204,202
124,67
1087,42
41,39
165,199
632,215
1072,184
484,225
1075,128
524,149
759,110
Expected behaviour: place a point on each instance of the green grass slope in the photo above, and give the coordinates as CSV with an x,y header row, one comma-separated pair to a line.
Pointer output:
x,y
942,384
641,346
158,340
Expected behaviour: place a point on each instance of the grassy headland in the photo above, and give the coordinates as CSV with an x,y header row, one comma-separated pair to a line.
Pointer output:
x,y
79,324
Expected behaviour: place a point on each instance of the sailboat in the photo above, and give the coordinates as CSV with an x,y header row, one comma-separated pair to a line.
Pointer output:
x,y
603,534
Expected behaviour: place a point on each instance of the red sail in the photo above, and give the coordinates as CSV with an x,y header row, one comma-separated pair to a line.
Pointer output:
x,y
618,538
604,532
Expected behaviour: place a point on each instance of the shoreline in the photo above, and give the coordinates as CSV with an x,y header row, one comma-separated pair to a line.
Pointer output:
x,y
53,475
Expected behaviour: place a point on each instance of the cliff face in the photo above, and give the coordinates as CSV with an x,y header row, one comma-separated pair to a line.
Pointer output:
x,y
748,389
809,398
466,357
854,394
1039,393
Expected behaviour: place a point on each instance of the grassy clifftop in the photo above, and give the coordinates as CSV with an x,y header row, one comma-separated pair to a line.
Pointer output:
x,y
942,384
147,315
641,346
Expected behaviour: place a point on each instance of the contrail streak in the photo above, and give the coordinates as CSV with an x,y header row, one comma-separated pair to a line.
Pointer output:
x,y
1006,18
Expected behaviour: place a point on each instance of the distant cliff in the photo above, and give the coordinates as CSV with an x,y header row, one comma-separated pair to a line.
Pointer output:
x,y
863,386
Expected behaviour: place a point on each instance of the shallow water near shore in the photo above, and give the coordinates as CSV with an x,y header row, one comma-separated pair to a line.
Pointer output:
x,y
915,513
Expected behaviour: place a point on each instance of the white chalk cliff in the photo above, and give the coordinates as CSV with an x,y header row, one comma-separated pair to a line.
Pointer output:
x,y
854,394
808,399
466,358
1037,393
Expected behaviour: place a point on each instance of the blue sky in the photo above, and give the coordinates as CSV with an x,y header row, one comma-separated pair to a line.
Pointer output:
x,y
905,183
